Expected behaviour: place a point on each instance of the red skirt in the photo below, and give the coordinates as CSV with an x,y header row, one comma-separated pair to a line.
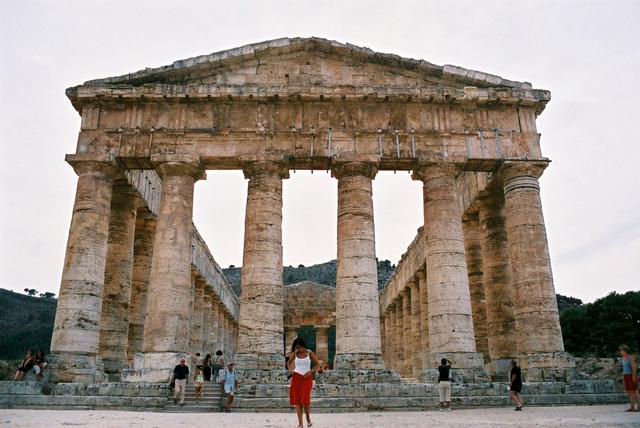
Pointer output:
x,y
629,384
300,391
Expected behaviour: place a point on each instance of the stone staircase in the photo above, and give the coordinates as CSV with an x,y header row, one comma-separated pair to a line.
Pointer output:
x,y
210,401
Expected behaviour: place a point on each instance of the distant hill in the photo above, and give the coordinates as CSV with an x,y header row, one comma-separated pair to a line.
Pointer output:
x,y
26,322
323,273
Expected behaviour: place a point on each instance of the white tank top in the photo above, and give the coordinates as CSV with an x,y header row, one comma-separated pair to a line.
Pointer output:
x,y
303,365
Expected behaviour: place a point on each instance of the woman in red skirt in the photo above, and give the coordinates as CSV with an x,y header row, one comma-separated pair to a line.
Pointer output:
x,y
302,364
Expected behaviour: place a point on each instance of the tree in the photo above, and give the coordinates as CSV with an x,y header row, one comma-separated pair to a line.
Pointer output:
x,y
47,295
31,291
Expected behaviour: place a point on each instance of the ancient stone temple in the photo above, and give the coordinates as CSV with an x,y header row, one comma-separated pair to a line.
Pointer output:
x,y
140,288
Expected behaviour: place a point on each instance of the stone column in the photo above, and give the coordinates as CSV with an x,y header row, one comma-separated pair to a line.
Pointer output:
x,y
290,333
388,346
450,317
383,339
214,325
221,333
415,329
425,361
391,337
142,253
407,333
168,309
473,252
322,342
357,306
206,323
400,348
260,335
539,337
197,317
498,286
116,295
76,332
228,335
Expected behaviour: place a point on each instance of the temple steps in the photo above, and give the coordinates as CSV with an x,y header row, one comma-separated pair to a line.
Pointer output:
x,y
210,401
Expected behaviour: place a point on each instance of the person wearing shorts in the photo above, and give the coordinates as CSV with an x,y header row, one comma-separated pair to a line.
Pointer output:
x,y
230,380
444,385
630,378
515,385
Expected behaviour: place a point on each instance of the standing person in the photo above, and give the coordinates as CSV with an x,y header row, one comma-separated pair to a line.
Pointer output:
x,y
206,368
515,385
197,361
444,385
181,375
230,379
218,364
630,378
26,365
39,363
302,364
199,382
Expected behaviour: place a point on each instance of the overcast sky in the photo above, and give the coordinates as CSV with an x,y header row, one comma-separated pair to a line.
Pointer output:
x,y
585,53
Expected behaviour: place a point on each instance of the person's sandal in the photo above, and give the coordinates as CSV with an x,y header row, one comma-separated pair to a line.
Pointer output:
x,y
309,424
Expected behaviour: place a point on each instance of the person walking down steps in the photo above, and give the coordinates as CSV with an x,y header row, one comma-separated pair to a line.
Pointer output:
x,y
180,375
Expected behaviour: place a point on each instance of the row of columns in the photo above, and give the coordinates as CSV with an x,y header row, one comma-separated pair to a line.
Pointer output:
x,y
487,291
127,284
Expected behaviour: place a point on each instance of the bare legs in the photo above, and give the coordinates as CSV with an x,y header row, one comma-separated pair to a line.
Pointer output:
x,y
228,402
307,412
515,396
634,397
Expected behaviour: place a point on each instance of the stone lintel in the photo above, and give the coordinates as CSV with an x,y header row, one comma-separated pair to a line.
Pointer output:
x,y
179,164
276,166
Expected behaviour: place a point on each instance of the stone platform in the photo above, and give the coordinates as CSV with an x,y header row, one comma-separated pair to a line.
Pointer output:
x,y
331,394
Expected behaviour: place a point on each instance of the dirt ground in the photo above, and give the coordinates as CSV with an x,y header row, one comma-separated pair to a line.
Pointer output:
x,y
565,416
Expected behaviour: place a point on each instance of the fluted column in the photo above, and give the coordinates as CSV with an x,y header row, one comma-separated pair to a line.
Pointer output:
x,y
221,333
473,252
400,333
357,306
539,337
392,354
425,362
322,342
450,317
407,335
197,319
262,296
76,332
498,286
206,323
416,347
116,295
168,309
142,253
214,324
228,334
388,345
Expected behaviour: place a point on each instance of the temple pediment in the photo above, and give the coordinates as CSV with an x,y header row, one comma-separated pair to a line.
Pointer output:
x,y
308,67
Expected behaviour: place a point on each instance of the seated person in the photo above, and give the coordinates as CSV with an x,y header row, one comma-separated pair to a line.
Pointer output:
x,y
39,363
26,365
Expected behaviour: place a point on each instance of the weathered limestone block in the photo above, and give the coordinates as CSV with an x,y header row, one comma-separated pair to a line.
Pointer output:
x,y
197,319
205,342
74,344
536,311
450,316
322,342
473,254
215,308
357,306
221,333
261,316
407,334
116,295
497,284
142,253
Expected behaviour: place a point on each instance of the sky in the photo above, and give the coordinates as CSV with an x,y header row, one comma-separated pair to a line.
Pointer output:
x,y
585,52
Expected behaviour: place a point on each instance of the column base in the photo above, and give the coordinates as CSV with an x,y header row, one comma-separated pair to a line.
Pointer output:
x,y
547,367
499,369
258,362
467,367
358,361
75,368
155,367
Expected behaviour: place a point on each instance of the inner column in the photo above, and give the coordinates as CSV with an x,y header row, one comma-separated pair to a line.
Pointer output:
x,y
450,318
260,335
357,309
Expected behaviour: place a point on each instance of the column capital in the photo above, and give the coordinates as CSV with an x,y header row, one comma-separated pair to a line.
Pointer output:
x,y
253,168
340,170
180,168
513,169
420,275
489,199
104,165
426,171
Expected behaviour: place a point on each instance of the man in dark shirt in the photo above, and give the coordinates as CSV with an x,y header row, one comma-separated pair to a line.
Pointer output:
x,y
515,385
444,385
180,375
